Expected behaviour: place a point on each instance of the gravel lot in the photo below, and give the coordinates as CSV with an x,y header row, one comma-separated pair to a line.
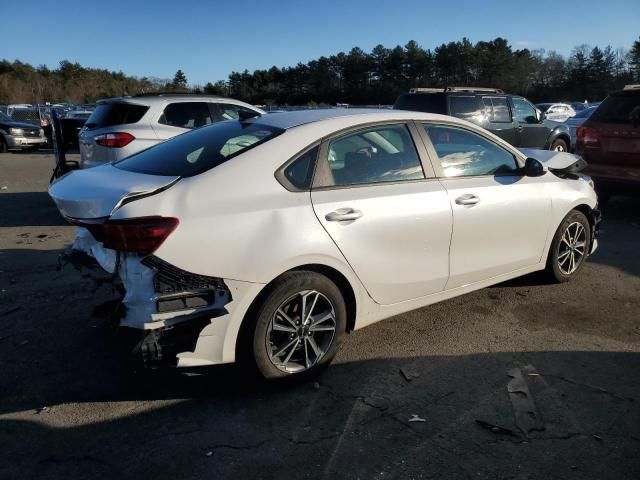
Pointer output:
x,y
70,409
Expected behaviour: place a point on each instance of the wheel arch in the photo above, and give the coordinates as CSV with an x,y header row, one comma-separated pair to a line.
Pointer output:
x,y
331,273
559,134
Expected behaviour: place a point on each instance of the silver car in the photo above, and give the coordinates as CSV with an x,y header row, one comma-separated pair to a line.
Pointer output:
x,y
122,126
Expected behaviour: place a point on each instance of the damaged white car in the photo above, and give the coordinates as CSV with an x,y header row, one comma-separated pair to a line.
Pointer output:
x,y
266,239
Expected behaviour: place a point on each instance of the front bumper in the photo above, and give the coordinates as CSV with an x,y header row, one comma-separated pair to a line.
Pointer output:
x,y
14,141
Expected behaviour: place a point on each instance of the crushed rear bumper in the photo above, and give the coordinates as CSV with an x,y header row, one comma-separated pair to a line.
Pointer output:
x,y
165,308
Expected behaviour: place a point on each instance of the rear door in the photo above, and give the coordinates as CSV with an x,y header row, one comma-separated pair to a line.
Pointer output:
x,y
391,221
531,132
500,217
500,121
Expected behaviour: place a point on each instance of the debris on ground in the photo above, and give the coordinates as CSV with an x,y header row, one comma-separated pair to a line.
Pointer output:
x,y
524,408
42,410
496,428
209,453
316,386
407,376
416,418
11,310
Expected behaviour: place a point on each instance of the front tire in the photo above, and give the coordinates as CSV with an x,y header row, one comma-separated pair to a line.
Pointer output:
x,y
559,145
298,327
570,247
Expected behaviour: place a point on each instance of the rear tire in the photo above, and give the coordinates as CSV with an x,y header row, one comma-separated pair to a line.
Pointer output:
x,y
559,145
570,247
297,329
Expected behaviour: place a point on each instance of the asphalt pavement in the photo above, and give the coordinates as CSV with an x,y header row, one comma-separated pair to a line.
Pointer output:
x,y
524,380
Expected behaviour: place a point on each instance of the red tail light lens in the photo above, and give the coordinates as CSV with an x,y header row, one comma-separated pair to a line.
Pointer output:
x,y
587,136
114,140
141,235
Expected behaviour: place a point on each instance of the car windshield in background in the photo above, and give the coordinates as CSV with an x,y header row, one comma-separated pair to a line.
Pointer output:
x,y
623,107
200,150
108,114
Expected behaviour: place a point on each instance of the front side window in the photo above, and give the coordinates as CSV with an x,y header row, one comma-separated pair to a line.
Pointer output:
x,y
186,115
198,151
463,153
373,155
498,110
524,111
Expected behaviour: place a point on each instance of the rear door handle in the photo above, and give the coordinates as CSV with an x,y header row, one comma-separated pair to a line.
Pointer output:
x,y
343,215
468,199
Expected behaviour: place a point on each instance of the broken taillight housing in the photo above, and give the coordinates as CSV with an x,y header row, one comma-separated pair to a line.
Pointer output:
x,y
141,235
114,140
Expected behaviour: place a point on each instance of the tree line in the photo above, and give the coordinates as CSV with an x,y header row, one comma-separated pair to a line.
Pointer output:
x,y
357,77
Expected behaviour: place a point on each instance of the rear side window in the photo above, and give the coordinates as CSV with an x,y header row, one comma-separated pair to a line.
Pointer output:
x,y
229,111
497,109
373,155
198,151
109,114
467,108
186,115
623,107
422,102
300,172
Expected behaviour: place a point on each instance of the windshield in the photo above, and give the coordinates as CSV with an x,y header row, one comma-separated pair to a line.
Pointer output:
x,y
200,150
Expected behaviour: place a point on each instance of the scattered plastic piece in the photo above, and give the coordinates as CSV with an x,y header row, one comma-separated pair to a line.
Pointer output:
x,y
416,418
408,377
209,453
42,410
496,428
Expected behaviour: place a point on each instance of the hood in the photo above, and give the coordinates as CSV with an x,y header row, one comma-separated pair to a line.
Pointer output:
x,y
557,161
97,192
24,125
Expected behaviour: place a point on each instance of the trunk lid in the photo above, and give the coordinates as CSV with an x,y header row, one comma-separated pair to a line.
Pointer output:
x,y
96,193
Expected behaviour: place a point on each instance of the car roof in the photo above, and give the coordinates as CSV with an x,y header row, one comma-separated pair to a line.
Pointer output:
x,y
163,98
287,120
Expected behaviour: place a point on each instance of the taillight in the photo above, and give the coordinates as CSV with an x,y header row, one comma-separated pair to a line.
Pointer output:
x,y
141,235
114,140
587,136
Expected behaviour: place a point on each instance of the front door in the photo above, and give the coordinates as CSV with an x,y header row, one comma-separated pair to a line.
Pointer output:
x,y
391,223
531,132
500,217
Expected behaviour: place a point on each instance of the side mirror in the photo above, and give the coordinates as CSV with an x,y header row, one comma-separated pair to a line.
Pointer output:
x,y
532,168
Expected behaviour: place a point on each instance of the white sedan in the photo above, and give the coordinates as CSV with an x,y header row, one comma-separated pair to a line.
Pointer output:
x,y
266,239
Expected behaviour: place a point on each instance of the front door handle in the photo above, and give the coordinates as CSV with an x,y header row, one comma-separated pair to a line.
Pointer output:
x,y
343,215
468,199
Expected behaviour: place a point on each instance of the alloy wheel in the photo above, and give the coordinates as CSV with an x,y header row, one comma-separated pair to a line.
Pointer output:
x,y
301,331
572,248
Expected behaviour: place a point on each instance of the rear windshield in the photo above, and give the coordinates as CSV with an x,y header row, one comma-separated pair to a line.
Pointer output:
x,y
623,107
422,102
199,150
108,114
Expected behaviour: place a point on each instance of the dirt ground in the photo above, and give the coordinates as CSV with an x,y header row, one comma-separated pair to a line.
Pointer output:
x,y
524,380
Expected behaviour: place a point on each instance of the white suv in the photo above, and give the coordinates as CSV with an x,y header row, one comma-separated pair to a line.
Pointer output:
x,y
122,126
